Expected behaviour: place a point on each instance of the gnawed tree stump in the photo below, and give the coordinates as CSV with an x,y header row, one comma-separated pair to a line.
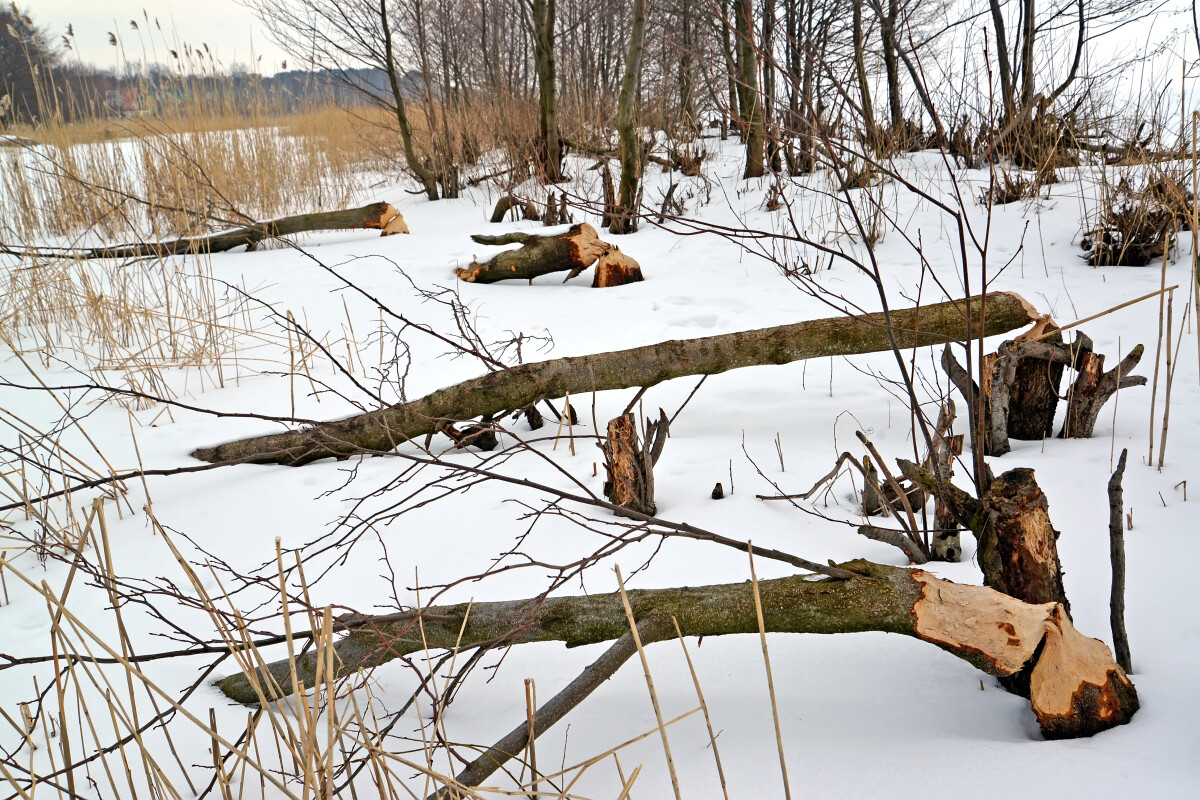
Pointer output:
x,y
571,252
384,429
1093,387
629,464
1077,689
1017,545
1021,388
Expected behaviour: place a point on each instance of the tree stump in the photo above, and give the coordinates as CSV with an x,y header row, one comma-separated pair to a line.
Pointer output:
x,y
629,464
1018,548
615,269
1092,389
1020,388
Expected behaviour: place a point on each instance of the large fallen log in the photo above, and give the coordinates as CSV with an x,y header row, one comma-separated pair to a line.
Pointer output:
x,y
518,387
376,216
571,252
1076,688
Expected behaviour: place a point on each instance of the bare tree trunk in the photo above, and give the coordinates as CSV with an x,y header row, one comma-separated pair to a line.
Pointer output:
x,y
629,194
860,71
424,174
385,429
1007,93
544,14
748,84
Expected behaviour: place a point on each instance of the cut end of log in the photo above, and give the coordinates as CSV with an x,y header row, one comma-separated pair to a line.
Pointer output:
x,y
586,243
1041,324
390,221
1001,630
615,269
1030,308
1076,687
469,274
395,225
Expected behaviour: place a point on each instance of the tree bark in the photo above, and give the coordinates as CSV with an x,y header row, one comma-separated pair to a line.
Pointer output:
x,y
385,429
1077,689
751,110
376,216
625,220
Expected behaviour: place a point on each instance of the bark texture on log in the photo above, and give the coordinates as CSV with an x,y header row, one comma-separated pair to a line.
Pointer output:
x,y
573,251
497,392
376,216
1078,689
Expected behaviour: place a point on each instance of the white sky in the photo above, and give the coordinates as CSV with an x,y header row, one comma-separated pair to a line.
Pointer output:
x,y
230,30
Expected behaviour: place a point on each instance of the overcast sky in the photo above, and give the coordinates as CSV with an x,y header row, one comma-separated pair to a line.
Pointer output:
x,y
230,30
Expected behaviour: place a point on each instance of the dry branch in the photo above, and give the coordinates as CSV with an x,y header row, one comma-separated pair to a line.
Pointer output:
x,y
518,387
1076,688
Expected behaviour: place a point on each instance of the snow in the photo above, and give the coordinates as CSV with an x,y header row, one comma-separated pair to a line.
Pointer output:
x,y
871,715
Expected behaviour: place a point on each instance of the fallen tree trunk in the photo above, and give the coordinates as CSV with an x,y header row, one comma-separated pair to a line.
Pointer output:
x,y
385,429
571,252
376,216
1076,688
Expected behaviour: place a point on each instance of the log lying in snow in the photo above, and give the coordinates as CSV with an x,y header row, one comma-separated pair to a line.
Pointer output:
x,y
376,216
1076,688
518,387
571,252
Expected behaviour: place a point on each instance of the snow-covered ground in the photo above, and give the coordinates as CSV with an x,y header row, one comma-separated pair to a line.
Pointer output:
x,y
866,715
